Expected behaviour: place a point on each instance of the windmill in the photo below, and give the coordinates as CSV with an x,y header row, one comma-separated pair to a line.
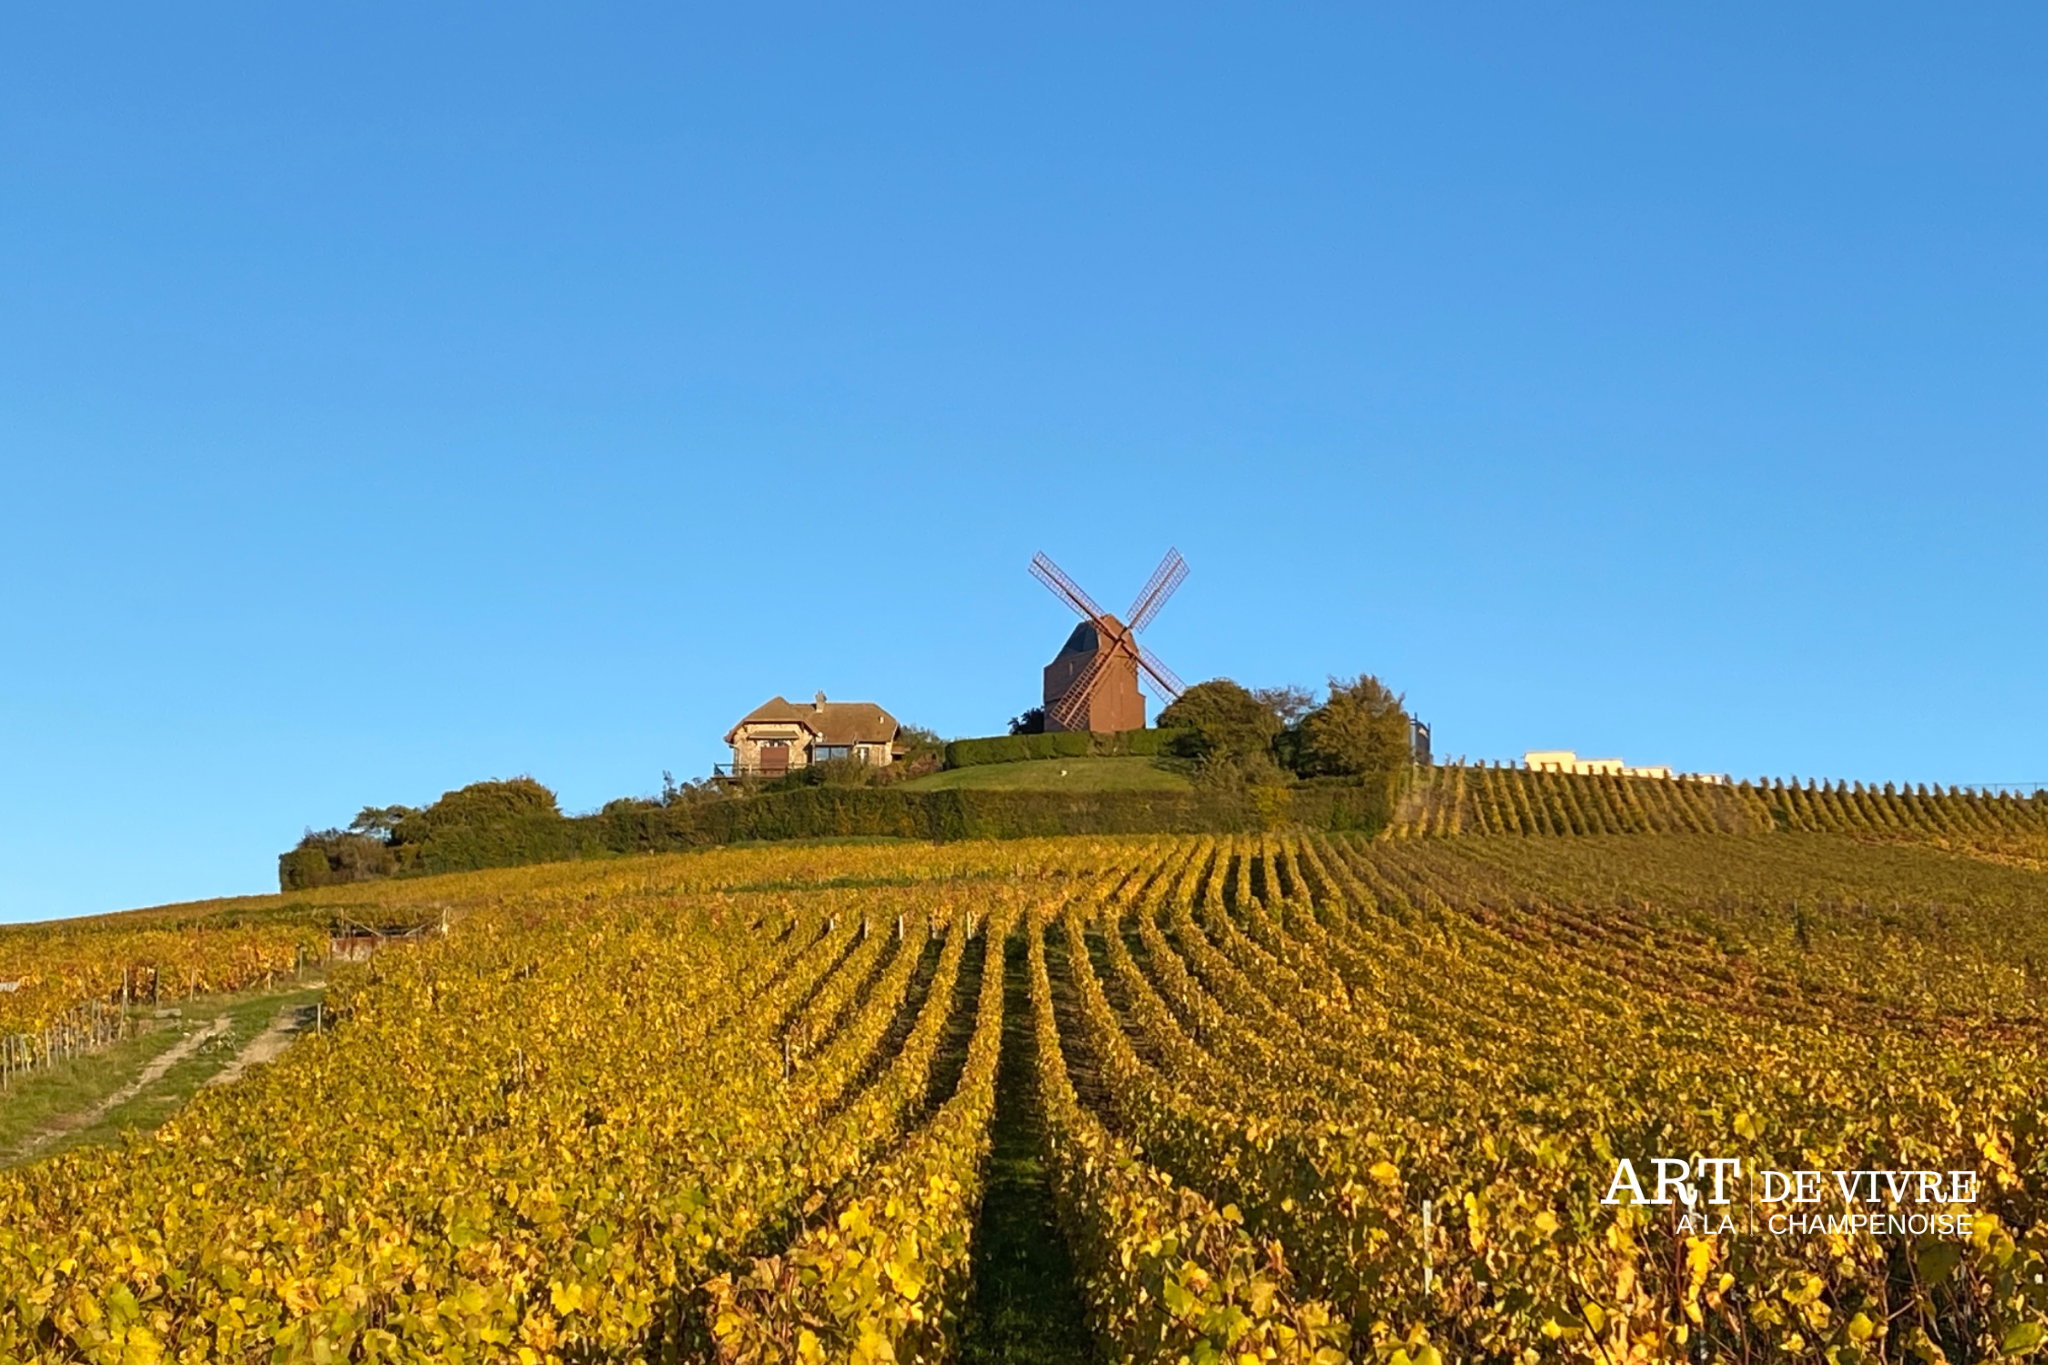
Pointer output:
x,y
1093,684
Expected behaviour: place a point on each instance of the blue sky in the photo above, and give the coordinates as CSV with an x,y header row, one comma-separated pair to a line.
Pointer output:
x,y
392,397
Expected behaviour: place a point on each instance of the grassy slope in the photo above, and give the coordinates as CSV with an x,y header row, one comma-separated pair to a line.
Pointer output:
x,y
1057,774
52,1101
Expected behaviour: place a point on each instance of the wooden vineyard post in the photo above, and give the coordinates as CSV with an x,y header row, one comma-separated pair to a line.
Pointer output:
x,y
1428,1253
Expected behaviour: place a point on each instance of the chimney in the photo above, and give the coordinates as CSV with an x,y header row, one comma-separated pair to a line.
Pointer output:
x,y
820,701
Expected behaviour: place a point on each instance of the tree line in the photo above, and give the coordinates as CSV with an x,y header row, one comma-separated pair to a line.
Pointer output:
x,y
1271,736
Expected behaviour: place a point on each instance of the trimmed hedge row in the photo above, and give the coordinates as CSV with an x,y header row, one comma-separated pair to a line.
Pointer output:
x,y
969,753
841,812
870,812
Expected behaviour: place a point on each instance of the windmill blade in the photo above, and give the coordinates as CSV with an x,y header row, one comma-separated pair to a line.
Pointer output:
x,y
1152,585
1066,708
1162,677
1164,580
1066,711
1064,588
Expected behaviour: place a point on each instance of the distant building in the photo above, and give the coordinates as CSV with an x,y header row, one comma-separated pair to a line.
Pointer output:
x,y
1565,761
779,736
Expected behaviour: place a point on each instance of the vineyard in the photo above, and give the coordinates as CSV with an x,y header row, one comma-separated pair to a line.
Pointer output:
x,y
1293,1097
1492,799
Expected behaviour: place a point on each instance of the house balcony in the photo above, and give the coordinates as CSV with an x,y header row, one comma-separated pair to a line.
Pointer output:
x,y
735,771
824,754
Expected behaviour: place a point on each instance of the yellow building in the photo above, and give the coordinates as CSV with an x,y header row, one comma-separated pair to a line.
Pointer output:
x,y
1565,761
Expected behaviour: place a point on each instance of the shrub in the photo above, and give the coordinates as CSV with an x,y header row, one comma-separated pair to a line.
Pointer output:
x,y
332,857
530,829
1272,807
918,744
302,867
969,753
1146,743
1219,722
478,805
830,772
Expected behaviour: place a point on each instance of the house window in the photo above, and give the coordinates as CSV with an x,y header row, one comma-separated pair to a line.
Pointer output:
x,y
825,753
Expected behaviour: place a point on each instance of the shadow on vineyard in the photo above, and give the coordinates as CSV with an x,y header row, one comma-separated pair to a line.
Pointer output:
x,y
1025,1306
952,1056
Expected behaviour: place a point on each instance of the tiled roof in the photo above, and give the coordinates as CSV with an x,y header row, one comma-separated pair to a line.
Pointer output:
x,y
832,722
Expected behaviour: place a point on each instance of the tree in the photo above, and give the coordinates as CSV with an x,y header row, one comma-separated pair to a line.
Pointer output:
x,y
478,805
689,790
1032,722
378,822
1226,729
1360,730
330,856
919,742
1289,703
923,752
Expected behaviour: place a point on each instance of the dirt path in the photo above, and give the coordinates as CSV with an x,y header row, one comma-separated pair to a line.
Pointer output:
x,y
148,1076
278,1035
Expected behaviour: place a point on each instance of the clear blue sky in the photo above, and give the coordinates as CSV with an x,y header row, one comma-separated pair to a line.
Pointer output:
x,y
396,396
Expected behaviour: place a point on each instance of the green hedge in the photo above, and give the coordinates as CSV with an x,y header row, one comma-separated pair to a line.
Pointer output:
x,y
841,812
502,843
969,753
870,812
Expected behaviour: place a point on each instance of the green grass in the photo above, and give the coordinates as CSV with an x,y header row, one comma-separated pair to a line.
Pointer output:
x,y
34,1102
1057,774
51,1100
1024,1306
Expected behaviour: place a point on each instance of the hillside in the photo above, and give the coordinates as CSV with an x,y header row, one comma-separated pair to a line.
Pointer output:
x,y
1049,1099
1021,797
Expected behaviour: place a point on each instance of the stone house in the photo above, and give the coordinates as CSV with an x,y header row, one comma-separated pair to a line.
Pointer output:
x,y
778,736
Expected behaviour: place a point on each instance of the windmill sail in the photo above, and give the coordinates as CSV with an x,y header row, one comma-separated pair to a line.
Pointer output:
x,y
1093,683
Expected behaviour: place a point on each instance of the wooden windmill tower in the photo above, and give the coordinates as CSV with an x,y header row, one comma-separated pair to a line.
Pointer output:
x,y
1093,684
